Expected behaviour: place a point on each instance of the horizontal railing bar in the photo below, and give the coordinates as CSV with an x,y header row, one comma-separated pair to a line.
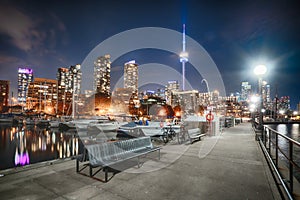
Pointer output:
x,y
284,136
283,153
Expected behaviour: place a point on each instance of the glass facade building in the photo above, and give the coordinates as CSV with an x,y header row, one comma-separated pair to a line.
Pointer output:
x,y
131,76
68,84
4,94
25,77
42,95
245,91
102,75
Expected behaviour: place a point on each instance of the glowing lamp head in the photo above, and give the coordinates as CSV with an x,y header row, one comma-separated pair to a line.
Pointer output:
x,y
184,56
260,70
254,99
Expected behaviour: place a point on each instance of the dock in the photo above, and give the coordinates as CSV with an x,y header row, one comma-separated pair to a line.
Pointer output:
x,y
229,166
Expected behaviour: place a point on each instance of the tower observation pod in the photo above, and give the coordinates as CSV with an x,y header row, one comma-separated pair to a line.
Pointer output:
x,y
183,57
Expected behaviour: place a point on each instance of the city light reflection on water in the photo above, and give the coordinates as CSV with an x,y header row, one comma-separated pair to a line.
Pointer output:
x,y
21,146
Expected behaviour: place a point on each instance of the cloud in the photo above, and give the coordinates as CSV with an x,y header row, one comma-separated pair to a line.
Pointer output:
x,y
30,32
8,59
19,27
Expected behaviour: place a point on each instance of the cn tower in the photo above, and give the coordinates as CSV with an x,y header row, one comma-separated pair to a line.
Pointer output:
x,y
183,58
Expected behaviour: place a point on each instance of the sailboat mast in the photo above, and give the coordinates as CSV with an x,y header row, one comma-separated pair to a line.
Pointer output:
x,y
40,99
73,100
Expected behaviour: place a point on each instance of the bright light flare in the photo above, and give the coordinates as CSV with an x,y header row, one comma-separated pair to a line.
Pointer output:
x,y
162,112
281,112
252,107
254,99
260,70
177,114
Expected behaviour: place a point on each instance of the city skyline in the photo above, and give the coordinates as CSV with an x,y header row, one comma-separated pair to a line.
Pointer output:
x,y
236,35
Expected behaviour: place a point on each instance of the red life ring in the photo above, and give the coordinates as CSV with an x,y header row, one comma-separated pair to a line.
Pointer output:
x,y
161,124
209,117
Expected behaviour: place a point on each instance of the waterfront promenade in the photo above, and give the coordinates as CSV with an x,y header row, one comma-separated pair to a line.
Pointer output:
x,y
230,166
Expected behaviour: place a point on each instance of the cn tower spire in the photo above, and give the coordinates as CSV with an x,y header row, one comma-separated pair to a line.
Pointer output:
x,y
183,57
183,38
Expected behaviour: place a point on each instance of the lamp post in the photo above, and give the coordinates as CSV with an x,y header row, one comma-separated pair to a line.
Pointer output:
x,y
259,71
253,106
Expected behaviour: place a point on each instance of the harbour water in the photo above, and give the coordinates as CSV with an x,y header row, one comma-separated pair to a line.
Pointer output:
x,y
23,145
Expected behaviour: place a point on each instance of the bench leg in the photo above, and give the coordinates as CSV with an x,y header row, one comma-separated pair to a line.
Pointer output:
x,y
106,173
77,165
91,171
138,161
158,154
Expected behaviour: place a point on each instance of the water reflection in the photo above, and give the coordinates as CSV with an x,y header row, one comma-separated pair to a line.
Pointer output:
x,y
32,144
291,131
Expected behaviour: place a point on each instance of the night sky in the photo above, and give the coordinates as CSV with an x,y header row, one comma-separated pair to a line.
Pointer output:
x,y
238,35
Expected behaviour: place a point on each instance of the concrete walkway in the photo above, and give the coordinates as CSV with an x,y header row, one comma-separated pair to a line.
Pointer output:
x,y
230,166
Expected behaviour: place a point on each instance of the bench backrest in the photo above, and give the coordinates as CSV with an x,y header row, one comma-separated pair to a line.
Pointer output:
x,y
194,131
105,152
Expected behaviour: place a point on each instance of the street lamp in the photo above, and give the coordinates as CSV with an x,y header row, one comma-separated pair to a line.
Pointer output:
x,y
259,71
204,80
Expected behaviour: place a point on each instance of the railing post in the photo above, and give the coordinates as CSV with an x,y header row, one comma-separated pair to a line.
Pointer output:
x,y
276,150
264,136
291,166
270,137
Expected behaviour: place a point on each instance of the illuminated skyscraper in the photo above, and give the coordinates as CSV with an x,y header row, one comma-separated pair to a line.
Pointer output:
x,y
68,84
102,75
4,94
246,91
284,103
169,89
25,76
266,96
42,95
131,75
62,81
188,100
74,83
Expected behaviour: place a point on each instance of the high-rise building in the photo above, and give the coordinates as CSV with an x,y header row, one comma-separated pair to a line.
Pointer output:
x,y
284,104
4,94
25,77
42,95
62,82
102,68
74,83
131,75
245,91
172,86
68,85
188,100
266,96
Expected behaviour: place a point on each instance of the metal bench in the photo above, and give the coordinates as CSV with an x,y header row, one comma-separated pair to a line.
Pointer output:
x,y
104,155
194,134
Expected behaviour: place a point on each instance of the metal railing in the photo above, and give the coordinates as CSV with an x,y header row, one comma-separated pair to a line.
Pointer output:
x,y
269,141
